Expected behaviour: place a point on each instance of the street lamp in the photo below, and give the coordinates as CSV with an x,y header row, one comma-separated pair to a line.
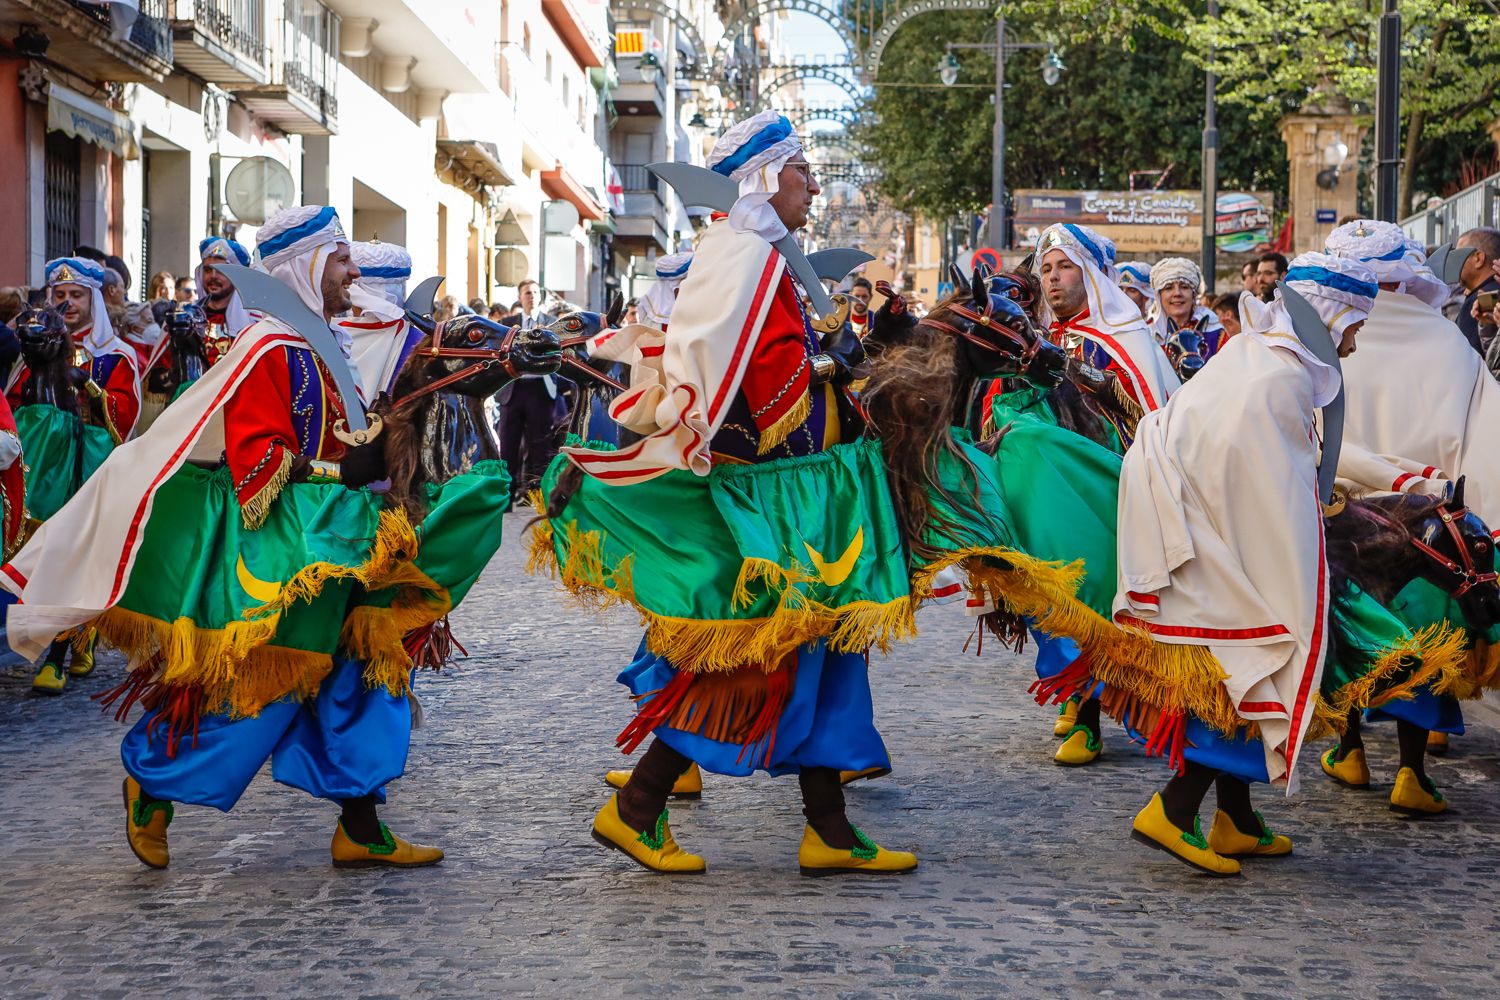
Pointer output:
x,y
650,67
948,69
1052,68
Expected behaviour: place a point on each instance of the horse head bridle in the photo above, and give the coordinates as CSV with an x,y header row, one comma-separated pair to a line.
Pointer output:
x,y
1467,573
1028,349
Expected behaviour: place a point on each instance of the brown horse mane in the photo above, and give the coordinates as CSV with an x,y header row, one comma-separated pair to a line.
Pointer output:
x,y
1369,543
910,403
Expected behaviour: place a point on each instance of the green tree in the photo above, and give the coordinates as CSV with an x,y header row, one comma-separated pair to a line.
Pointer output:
x,y
1129,100
1272,54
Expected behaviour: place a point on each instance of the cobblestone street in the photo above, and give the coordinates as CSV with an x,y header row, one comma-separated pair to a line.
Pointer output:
x,y
1028,886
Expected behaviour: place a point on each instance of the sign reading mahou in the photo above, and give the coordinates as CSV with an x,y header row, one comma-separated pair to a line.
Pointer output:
x,y
1148,221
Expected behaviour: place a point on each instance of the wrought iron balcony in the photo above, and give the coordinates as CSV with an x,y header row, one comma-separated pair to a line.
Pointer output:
x,y
224,42
301,96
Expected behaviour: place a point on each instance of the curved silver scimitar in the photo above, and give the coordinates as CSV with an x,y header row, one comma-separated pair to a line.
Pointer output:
x,y
1314,334
1447,262
424,297
258,290
699,187
835,263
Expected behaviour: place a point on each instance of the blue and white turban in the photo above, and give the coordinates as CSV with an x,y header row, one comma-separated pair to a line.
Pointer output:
x,y
384,270
752,154
294,245
1136,274
1095,255
1392,255
224,249
655,307
1340,289
221,249
86,274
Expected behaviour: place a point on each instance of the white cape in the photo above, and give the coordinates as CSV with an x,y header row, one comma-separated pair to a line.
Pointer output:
x,y
1418,390
1221,536
77,564
681,386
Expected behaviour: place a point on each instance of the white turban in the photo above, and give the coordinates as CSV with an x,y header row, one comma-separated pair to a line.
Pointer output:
x,y
1136,274
1392,255
384,269
294,245
1095,255
752,154
655,307
1170,270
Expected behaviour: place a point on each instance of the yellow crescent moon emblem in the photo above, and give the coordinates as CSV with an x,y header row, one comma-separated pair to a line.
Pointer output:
x,y
259,590
835,573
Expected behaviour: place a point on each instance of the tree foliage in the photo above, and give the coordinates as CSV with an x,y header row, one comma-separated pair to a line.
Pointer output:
x,y
1272,54
1128,101
1131,97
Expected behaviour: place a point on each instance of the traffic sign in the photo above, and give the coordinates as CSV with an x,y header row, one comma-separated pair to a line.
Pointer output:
x,y
988,256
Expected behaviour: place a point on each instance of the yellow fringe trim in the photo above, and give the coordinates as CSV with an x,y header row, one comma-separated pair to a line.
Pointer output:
x,y
239,668
236,680
253,512
788,422
710,645
1443,652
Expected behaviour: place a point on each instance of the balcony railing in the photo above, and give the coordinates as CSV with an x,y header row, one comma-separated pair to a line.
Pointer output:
x,y
151,32
635,177
309,66
238,25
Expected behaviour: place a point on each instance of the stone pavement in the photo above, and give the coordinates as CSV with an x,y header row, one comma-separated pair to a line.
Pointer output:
x,y
1029,885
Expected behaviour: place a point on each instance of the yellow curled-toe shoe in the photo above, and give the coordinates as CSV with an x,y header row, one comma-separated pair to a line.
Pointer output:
x,y
1437,744
869,773
51,679
1154,829
1067,718
653,849
146,825
82,662
1411,797
392,852
1351,771
1226,840
1080,748
688,786
817,858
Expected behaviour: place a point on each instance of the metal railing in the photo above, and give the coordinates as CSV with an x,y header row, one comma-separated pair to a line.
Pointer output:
x,y
236,24
1478,205
308,63
635,177
151,32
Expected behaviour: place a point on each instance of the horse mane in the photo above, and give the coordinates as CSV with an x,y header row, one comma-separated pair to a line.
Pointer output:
x,y
403,448
1368,543
909,404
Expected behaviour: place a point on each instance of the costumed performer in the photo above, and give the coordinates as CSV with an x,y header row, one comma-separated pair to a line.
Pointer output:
x,y
269,409
226,314
1222,558
741,381
1185,328
67,430
1414,384
1135,282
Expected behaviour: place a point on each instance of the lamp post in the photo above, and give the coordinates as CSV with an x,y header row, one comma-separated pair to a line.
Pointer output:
x,y
1210,263
948,68
1387,115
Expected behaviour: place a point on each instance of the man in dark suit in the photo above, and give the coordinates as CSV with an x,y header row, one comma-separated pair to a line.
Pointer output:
x,y
528,409
1478,278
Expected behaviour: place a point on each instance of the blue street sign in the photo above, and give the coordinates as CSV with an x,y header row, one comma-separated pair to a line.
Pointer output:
x,y
1327,215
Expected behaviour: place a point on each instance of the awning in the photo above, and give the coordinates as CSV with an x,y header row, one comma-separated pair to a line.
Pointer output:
x,y
73,114
481,159
558,183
